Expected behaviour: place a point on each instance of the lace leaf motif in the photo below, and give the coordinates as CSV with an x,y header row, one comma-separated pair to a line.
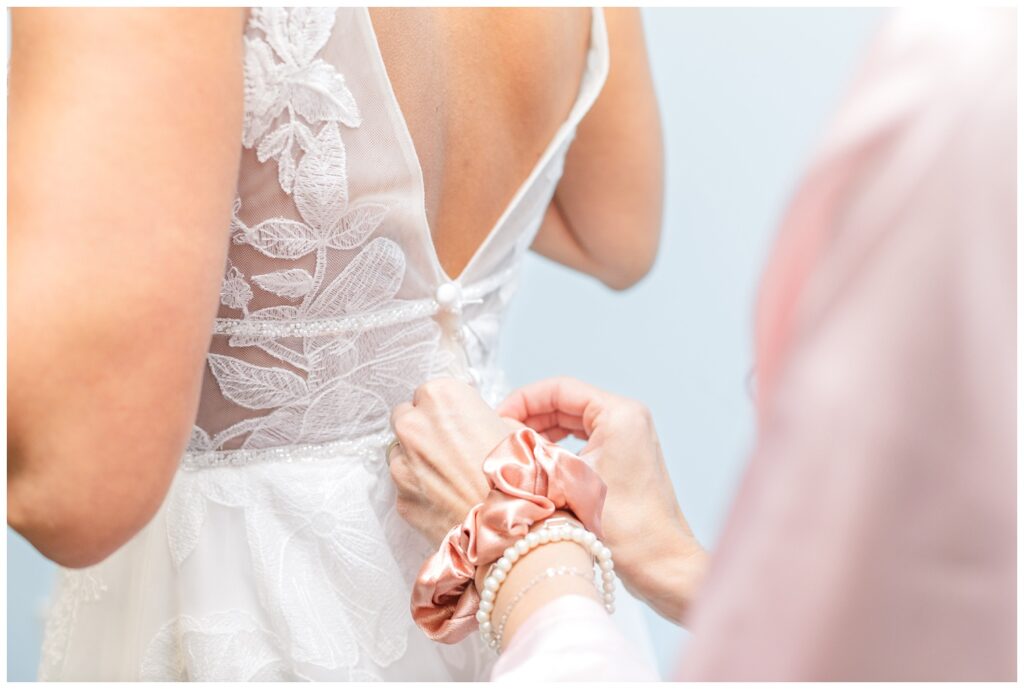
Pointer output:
x,y
291,284
356,226
293,239
283,73
255,387
281,238
326,98
321,197
221,646
321,188
372,278
297,34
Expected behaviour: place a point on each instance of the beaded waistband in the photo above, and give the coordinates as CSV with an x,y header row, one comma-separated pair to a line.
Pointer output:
x,y
401,312
366,448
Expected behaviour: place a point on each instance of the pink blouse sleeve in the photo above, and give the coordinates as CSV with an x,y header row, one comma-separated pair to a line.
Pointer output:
x,y
874,533
571,638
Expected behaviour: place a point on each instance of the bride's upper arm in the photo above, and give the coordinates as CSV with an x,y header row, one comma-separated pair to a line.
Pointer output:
x,y
124,142
609,200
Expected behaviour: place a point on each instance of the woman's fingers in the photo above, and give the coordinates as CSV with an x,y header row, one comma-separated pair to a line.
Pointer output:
x,y
398,413
556,434
513,424
567,397
400,410
555,419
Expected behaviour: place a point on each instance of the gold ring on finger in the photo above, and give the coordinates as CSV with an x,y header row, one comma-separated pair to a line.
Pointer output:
x,y
391,448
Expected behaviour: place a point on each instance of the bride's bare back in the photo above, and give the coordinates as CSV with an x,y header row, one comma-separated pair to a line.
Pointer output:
x,y
483,91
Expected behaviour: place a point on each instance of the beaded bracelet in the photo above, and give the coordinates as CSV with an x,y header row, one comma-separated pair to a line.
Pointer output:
x,y
553,530
548,573
530,478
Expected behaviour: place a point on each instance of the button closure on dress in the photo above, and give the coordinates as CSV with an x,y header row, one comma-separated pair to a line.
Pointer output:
x,y
449,297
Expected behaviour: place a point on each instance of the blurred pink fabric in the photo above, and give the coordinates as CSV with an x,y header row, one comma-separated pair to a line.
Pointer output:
x,y
874,533
571,639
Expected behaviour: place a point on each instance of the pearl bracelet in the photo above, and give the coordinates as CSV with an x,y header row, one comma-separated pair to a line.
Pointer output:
x,y
548,573
553,530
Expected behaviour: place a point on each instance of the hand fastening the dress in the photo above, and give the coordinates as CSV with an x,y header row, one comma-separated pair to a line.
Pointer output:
x,y
449,429
529,479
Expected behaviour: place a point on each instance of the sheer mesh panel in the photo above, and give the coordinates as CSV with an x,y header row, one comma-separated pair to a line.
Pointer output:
x,y
328,317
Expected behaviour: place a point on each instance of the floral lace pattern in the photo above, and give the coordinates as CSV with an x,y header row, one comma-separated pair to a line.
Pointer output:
x,y
336,386
75,587
221,647
282,73
317,556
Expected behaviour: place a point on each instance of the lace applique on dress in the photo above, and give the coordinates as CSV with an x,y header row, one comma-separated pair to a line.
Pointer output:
x,y
283,73
342,384
225,646
309,541
75,587
220,647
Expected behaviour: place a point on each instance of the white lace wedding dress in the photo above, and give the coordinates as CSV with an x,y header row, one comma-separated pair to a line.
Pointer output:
x,y
277,553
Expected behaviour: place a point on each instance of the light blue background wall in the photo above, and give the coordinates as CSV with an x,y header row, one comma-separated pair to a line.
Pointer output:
x,y
743,94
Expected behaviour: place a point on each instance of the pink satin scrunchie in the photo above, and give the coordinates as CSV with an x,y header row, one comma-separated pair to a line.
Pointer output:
x,y
530,478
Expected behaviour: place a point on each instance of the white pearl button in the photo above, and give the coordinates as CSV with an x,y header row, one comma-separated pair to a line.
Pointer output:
x,y
449,296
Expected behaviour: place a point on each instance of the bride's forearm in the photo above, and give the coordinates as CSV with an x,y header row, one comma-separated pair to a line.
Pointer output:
x,y
555,240
617,267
